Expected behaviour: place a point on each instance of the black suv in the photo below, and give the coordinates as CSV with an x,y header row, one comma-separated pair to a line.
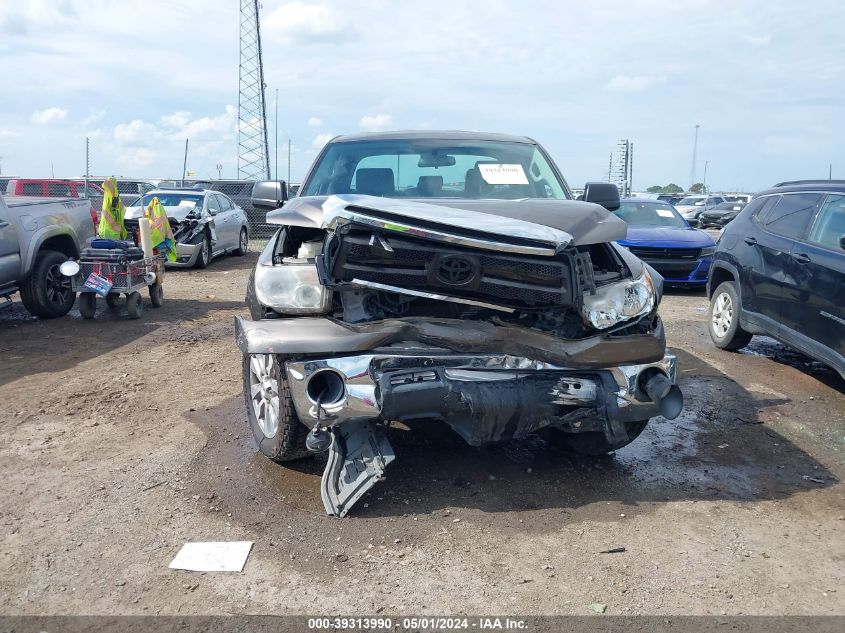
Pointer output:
x,y
779,270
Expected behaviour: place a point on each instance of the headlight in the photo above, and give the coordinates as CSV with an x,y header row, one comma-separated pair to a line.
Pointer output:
x,y
619,302
291,289
708,251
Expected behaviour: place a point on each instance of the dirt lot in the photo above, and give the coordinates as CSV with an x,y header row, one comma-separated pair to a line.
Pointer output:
x,y
124,439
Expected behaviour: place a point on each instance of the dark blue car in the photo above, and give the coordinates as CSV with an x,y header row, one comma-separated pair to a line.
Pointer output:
x,y
658,235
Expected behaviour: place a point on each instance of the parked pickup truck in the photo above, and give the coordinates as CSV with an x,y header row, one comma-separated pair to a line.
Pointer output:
x,y
36,236
446,276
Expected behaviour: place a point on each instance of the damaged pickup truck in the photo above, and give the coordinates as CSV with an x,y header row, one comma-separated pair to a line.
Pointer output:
x,y
446,276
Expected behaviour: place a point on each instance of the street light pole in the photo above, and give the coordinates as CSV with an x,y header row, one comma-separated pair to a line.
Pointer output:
x,y
694,156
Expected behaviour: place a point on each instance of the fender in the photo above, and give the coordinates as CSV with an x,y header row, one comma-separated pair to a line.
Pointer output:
x,y
37,239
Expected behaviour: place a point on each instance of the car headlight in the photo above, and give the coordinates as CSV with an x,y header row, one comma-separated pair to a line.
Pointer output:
x,y
709,250
619,302
291,289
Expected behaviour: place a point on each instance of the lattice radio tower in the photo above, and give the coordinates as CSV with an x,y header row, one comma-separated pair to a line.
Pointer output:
x,y
253,153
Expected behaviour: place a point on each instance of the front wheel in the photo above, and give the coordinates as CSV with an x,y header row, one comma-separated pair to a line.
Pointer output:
x,y
88,304
592,443
272,418
134,305
157,295
724,328
205,253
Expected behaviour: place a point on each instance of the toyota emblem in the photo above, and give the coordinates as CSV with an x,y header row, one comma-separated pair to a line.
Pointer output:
x,y
455,270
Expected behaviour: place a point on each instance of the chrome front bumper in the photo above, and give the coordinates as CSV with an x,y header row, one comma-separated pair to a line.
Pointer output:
x,y
369,380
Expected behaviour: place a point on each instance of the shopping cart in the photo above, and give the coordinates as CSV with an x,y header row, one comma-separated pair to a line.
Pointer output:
x,y
109,278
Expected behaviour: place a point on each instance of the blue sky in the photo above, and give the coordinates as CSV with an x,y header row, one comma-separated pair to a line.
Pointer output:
x,y
764,79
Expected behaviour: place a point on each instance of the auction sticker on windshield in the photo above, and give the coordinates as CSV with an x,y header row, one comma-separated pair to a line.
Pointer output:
x,y
501,174
665,213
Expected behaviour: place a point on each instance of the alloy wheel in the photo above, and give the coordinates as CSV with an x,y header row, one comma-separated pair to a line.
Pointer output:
x,y
57,286
722,314
264,392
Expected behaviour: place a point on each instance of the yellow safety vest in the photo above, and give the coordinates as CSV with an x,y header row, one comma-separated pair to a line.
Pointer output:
x,y
111,219
160,228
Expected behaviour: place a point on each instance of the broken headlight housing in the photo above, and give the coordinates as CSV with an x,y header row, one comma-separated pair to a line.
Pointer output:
x,y
291,289
620,301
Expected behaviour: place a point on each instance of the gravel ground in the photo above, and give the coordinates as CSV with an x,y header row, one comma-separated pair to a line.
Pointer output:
x,y
124,439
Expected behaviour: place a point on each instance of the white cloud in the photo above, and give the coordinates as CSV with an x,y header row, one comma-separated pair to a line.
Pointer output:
x,y
376,123
49,115
7,133
320,140
624,83
137,158
177,119
315,121
134,131
95,115
304,20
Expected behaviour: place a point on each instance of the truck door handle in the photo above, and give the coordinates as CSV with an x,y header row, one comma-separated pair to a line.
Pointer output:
x,y
751,241
801,258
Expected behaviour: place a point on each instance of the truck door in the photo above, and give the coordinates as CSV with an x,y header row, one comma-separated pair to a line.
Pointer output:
x,y
10,257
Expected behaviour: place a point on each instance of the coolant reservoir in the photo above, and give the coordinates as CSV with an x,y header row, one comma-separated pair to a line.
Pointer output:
x,y
309,250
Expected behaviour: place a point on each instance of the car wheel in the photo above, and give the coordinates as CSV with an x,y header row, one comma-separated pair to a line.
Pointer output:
x,y
88,304
243,243
157,295
134,305
46,292
204,255
724,319
272,418
591,443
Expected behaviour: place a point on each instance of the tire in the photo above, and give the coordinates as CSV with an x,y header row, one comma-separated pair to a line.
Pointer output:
x,y
45,292
157,295
204,256
134,305
243,243
592,443
88,304
112,300
282,439
723,323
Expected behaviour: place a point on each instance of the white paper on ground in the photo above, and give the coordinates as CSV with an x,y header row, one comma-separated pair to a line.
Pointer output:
x,y
227,556
503,174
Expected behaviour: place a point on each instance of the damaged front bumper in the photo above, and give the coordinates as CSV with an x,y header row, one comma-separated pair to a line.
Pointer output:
x,y
351,377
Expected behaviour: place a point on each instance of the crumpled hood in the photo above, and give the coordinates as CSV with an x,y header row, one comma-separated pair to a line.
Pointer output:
x,y
666,237
175,213
573,221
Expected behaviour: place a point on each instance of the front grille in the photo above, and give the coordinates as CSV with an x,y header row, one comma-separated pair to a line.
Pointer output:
x,y
517,281
648,253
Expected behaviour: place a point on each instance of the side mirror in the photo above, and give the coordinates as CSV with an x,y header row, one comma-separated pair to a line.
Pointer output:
x,y
602,193
269,194
693,222
842,242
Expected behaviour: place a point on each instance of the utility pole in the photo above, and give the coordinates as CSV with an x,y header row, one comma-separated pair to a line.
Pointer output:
x,y
704,182
87,163
219,171
829,170
288,162
276,129
694,156
609,167
1,162
185,163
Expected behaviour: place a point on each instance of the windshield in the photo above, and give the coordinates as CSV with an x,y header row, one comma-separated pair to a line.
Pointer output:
x,y
432,168
733,206
174,199
650,214
691,200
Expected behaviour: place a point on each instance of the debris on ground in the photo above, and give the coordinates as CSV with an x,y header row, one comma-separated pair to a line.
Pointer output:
x,y
613,550
214,556
598,607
